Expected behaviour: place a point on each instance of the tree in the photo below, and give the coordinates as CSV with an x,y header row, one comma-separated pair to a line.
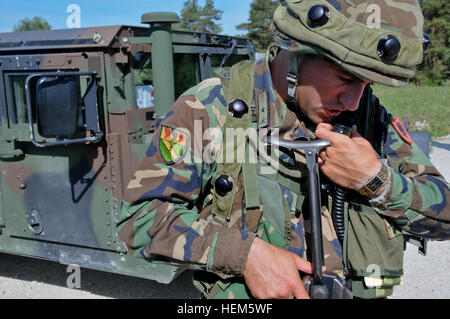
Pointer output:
x,y
261,12
200,19
27,24
435,68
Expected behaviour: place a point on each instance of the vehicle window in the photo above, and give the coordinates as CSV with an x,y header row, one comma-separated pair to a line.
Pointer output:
x,y
187,72
143,80
144,88
217,59
18,111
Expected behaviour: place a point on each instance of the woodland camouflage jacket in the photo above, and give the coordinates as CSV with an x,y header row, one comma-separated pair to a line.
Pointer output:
x,y
167,215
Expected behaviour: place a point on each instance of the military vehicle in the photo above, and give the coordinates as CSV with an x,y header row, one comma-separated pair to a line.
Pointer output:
x,y
77,117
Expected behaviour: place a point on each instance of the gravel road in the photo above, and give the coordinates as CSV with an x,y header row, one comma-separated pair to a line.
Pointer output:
x,y
20,277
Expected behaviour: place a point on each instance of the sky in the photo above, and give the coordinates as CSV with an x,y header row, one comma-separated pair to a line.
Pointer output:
x,y
112,12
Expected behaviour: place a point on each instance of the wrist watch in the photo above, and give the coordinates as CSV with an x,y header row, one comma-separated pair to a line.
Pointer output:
x,y
374,184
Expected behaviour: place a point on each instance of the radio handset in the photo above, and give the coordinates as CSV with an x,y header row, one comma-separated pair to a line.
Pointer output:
x,y
342,124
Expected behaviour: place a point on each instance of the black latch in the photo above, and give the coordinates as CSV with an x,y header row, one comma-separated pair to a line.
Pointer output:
x,y
418,241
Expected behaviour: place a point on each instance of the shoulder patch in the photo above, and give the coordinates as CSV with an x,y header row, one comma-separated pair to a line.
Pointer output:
x,y
401,130
173,143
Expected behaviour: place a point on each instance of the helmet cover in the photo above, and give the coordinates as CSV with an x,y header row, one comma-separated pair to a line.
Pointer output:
x,y
376,40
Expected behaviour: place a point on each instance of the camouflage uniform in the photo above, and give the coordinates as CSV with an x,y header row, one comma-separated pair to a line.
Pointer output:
x,y
167,213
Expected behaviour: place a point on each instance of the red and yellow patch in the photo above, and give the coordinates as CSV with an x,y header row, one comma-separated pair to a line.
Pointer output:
x,y
172,143
401,130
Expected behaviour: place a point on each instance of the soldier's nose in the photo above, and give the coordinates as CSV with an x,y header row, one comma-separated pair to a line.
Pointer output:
x,y
349,98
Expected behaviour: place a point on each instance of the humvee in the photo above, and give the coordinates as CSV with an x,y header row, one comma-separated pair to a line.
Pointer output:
x,y
78,108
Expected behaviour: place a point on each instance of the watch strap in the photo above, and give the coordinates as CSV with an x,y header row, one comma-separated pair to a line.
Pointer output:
x,y
377,182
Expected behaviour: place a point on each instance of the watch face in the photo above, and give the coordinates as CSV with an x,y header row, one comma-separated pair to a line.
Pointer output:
x,y
375,184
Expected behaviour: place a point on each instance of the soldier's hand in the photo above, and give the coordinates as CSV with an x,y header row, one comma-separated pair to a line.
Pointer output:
x,y
351,161
271,272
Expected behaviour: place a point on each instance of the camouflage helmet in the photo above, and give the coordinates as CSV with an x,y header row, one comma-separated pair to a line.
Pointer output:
x,y
377,40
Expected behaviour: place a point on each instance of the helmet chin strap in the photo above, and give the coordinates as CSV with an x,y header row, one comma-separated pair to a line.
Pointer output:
x,y
293,78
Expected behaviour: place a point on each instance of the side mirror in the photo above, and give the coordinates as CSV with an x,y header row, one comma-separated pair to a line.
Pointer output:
x,y
58,105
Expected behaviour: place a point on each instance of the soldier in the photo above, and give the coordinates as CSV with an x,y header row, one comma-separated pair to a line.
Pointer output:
x,y
245,229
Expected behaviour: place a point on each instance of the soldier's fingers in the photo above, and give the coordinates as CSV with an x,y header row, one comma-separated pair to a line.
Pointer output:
x,y
357,138
300,292
325,126
323,132
322,157
355,132
303,265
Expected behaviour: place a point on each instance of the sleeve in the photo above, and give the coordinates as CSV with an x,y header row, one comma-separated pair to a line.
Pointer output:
x,y
416,196
165,214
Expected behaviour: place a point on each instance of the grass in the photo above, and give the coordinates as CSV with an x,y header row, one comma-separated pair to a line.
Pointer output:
x,y
423,107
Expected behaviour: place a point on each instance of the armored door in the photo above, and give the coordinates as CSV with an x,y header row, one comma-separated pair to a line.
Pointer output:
x,y
53,192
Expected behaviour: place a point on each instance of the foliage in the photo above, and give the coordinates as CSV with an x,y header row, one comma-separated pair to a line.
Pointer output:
x,y
143,76
261,12
200,19
422,107
27,24
435,69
